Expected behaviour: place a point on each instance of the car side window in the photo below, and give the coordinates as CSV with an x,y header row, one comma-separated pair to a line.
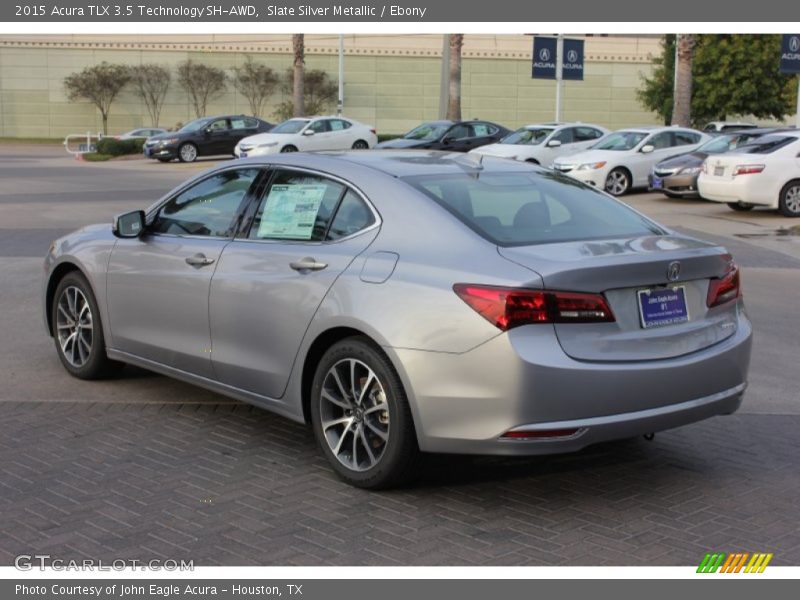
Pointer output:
x,y
297,206
218,125
661,140
339,124
243,123
352,216
460,132
320,126
565,136
685,138
207,208
586,134
483,129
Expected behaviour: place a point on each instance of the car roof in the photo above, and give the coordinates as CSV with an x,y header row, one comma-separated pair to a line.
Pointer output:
x,y
397,163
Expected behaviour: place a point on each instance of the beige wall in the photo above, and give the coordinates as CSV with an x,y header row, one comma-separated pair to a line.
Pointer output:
x,y
391,82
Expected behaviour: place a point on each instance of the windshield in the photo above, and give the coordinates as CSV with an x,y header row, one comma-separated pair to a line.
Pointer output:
x,y
720,144
427,132
290,126
521,209
194,125
766,144
621,140
526,136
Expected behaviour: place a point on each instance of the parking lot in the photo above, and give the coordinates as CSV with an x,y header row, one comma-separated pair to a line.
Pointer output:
x,y
150,468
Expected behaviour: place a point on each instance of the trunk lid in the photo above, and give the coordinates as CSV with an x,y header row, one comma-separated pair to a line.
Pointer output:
x,y
620,269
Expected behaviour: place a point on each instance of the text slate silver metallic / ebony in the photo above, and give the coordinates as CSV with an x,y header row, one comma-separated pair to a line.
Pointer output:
x,y
409,301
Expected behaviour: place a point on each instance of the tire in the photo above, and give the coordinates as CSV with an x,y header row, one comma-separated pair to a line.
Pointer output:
x,y
740,206
789,202
367,447
360,145
533,161
187,152
618,182
289,148
85,356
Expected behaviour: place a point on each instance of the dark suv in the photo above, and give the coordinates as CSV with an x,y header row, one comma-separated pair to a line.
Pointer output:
x,y
204,137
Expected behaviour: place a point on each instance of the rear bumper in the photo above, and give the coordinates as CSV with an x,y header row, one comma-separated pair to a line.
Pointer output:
x,y
750,189
464,403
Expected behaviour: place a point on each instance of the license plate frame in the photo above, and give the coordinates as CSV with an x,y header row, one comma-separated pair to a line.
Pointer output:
x,y
658,183
662,307
719,171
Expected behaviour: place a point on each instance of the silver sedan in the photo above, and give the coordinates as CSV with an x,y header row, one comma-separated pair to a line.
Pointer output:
x,y
405,301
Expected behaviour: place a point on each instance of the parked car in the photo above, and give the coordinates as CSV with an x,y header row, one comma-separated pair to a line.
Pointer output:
x,y
542,144
677,176
409,301
304,135
763,172
623,160
207,136
144,133
456,136
724,126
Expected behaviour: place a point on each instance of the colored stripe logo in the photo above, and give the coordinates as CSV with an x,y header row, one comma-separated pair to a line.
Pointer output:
x,y
736,562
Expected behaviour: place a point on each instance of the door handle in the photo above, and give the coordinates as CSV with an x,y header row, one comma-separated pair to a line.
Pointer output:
x,y
307,264
199,260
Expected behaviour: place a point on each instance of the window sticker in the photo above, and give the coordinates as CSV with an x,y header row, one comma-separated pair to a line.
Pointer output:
x,y
291,211
480,130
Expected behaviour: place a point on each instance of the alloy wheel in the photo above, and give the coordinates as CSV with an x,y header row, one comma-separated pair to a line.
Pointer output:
x,y
354,414
188,153
792,199
616,183
74,326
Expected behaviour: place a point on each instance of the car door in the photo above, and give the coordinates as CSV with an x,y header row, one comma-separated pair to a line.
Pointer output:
x,y
157,286
641,163
242,127
550,153
343,134
217,138
321,138
457,138
482,134
307,228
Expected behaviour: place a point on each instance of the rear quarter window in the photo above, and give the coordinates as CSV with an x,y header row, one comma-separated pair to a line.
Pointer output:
x,y
516,209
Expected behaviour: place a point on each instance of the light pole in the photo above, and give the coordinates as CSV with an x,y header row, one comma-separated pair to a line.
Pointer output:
x,y
340,101
559,73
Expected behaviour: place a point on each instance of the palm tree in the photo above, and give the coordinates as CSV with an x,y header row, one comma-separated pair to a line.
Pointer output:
x,y
299,47
454,95
682,107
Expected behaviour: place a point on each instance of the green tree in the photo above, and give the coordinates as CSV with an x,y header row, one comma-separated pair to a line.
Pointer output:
x,y
733,75
100,85
319,93
256,82
202,82
151,82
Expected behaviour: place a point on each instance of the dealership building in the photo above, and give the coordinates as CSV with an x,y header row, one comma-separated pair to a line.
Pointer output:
x,y
390,81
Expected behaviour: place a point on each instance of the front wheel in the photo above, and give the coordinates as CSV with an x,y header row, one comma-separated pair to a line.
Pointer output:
x,y
740,206
361,417
618,182
789,203
187,153
78,332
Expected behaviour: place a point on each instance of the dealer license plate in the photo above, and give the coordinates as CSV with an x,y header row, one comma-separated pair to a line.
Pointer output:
x,y
663,306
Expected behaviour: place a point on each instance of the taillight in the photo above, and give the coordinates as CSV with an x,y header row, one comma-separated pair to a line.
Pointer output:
x,y
747,169
726,288
506,308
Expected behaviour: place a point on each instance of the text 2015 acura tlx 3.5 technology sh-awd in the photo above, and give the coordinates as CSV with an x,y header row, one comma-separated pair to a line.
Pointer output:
x,y
409,301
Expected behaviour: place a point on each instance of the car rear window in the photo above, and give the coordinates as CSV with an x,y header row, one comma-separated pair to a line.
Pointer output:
x,y
766,144
520,209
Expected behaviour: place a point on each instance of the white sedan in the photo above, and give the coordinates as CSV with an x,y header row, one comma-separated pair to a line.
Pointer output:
x,y
542,144
307,135
764,172
622,160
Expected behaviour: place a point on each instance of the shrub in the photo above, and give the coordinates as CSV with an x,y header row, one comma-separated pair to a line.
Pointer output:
x,y
115,147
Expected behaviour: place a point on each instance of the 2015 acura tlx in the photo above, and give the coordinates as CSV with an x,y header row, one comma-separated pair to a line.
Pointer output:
x,y
409,301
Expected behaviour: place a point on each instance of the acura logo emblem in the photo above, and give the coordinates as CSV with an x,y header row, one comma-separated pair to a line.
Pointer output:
x,y
572,56
544,54
794,43
673,270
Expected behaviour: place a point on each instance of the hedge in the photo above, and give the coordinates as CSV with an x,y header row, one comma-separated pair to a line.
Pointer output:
x,y
114,147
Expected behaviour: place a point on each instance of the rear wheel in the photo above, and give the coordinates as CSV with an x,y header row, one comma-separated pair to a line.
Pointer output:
x,y
740,206
360,145
289,148
187,153
78,332
789,204
618,182
361,417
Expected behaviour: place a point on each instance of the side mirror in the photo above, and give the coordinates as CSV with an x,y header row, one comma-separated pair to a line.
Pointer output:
x,y
129,225
446,140
308,132
647,149
554,143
